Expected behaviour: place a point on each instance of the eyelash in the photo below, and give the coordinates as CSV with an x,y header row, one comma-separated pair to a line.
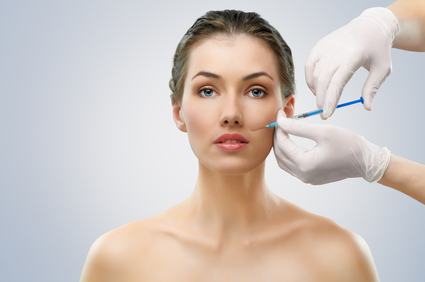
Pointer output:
x,y
200,92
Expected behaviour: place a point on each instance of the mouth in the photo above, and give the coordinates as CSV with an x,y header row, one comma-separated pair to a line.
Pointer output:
x,y
231,142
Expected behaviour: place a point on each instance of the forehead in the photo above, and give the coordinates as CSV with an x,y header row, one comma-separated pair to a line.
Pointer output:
x,y
232,57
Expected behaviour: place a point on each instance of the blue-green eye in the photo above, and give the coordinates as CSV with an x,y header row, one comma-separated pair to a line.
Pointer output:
x,y
257,93
206,92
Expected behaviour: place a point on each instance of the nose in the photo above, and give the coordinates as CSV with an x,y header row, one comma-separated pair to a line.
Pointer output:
x,y
231,114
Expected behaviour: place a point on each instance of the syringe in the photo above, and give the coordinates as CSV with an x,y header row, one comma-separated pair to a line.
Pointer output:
x,y
313,113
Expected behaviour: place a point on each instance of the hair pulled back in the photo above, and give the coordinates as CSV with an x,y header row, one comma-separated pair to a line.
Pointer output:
x,y
232,23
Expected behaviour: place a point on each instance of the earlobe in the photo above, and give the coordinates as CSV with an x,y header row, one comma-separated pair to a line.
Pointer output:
x,y
289,105
178,116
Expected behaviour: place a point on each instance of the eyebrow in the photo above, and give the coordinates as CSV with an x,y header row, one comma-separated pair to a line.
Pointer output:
x,y
207,74
216,76
257,74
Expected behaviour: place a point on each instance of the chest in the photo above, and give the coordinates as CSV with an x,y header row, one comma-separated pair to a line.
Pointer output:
x,y
233,264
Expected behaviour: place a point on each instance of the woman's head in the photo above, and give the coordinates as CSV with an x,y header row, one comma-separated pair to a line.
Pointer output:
x,y
231,84
232,23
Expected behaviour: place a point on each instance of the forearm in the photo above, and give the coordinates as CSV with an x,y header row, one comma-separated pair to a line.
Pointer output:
x,y
405,176
411,17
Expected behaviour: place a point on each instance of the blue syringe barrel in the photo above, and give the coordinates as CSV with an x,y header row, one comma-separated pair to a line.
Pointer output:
x,y
316,112
305,115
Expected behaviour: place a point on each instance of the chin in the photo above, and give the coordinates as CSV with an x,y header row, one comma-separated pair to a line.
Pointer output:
x,y
233,165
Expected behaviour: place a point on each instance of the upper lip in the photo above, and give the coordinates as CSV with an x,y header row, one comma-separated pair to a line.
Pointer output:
x,y
231,136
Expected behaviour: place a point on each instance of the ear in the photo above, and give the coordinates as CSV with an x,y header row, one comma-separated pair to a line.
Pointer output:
x,y
178,116
288,106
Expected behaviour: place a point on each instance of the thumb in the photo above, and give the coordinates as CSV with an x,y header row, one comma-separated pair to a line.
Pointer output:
x,y
300,128
287,153
280,114
374,80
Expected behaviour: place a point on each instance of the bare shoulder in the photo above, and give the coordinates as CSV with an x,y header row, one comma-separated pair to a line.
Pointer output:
x,y
335,251
112,255
344,253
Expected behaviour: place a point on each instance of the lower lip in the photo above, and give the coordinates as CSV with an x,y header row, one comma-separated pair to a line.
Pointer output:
x,y
231,146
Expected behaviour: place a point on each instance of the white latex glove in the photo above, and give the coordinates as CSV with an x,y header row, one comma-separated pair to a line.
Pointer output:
x,y
365,42
339,153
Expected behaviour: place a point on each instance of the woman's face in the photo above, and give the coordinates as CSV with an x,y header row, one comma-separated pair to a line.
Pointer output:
x,y
232,86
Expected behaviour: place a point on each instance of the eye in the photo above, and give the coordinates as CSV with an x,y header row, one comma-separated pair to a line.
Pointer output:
x,y
257,93
206,92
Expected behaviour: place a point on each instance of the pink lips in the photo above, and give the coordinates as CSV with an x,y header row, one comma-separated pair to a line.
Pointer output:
x,y
231,142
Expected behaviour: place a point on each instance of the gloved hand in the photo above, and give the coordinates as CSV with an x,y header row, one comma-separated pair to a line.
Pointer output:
x,y
339,153
365,42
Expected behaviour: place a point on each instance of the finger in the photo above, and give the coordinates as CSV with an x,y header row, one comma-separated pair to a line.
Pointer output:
x,y
309,69
286,165
341,77
323,81
320,88
300,128
374,80
280,114
281,158
323,76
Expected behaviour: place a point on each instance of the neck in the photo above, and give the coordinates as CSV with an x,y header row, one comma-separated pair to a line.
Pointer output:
x,y
231,204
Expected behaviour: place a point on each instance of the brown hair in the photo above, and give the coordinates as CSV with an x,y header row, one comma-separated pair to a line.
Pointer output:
x,y
232,23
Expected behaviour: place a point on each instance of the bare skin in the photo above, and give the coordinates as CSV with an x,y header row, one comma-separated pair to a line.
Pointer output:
x,y
232,228
405,176
411,18
293,245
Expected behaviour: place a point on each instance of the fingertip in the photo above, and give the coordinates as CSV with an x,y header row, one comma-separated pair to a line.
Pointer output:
x,y
331,101
285,124
320,100
281,114
279,134
368,103
328,111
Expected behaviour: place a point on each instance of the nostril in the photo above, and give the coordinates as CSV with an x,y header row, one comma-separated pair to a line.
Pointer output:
x,y
231,122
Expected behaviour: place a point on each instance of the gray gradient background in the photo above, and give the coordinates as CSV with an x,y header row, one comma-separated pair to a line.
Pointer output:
x,y
87,141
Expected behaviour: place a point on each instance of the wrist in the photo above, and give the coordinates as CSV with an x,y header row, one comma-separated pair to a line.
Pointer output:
x,y
378,164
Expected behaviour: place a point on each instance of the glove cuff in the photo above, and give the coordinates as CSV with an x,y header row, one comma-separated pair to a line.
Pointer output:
x,y
379,165
385,19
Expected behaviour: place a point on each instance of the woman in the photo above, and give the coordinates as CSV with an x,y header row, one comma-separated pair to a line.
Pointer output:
x,y
232,73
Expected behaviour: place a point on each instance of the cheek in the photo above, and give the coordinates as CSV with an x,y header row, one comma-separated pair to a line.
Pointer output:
x,y
192,119
261,115
197,115
199,120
